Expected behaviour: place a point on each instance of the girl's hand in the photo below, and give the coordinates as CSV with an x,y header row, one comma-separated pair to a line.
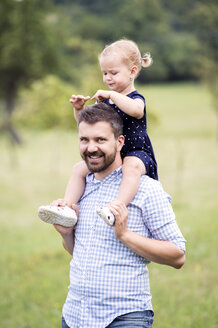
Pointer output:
x,y
101,95
78,101
120,212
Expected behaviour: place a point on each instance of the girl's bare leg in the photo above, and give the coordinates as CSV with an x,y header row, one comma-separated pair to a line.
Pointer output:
x,y
133,168
76,184
62,211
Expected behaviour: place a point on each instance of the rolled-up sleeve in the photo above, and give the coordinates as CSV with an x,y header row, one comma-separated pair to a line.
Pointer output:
x,y
159,217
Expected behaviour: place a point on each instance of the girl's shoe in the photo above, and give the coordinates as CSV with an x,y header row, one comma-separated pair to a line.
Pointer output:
x,y
64,216
106,215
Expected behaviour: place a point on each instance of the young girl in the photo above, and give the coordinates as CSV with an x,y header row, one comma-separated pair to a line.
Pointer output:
x,y
120,63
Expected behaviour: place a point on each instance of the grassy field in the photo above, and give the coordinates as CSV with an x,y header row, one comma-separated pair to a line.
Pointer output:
x,y
34,267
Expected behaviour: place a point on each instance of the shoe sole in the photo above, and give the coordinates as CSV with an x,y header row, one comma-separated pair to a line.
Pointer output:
x,y
48,216
106,215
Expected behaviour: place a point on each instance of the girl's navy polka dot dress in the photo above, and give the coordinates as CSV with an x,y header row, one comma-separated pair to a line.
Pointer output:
x,y
137,142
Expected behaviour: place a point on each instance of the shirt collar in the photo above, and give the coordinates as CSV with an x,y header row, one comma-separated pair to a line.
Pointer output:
x,y
90,178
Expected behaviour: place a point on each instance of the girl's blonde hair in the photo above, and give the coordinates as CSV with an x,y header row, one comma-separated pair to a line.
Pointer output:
x,y
129,53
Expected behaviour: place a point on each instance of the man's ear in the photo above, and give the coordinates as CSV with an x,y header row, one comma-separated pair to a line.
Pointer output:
x,y
120,142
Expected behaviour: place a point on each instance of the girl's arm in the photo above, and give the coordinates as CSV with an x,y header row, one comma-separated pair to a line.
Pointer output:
x,y
132,107
78,102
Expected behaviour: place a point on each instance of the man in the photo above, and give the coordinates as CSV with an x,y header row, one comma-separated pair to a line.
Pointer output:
x,y
109,283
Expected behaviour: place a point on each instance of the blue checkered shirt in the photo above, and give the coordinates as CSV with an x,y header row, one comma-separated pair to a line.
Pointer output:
x,y
107,279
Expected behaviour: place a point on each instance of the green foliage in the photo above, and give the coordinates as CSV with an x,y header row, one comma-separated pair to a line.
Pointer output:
x,y
171,31
203,18
27,51
181,56
64,38
142,20
35,267
80,29
26,42
45,104
81,61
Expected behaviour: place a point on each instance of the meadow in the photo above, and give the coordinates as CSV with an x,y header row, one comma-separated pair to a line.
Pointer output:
x,y
34,273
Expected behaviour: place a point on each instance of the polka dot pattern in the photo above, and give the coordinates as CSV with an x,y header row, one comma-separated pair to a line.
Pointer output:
x,y
137,142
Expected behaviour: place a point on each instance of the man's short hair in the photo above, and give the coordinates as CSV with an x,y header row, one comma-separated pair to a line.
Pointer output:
x,y
102,112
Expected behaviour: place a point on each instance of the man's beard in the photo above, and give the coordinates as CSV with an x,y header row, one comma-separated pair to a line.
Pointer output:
x,y
99,167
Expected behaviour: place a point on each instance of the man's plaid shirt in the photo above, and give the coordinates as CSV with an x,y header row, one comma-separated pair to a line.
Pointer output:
x,y
107,279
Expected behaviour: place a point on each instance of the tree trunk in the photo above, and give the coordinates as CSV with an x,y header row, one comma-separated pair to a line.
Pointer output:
x,y
10,95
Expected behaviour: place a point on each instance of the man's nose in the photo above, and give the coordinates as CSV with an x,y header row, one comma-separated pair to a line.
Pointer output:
x,y
92,147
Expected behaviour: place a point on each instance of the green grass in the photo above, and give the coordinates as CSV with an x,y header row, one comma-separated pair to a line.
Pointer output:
x,y
35,268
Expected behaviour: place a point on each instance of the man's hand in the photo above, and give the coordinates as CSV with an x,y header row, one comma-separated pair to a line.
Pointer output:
x,y
63,202
159,251
67,233
120,212
101,95
78,101
59,202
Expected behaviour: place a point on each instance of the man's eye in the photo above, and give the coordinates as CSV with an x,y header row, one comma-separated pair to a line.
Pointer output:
x,y
114,73
101,139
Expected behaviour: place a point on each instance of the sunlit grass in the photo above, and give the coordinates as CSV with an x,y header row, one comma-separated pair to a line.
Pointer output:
x,y
35,268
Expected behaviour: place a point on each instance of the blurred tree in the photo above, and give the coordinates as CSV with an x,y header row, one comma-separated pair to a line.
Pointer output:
x,y
157,26
141,20
27,50
45,105
65,37
203,20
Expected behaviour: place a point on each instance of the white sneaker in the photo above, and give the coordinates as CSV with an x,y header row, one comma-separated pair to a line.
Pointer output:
x,y
106,215
64,216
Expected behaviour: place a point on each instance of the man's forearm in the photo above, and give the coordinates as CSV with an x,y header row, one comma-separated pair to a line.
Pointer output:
x,y
162,252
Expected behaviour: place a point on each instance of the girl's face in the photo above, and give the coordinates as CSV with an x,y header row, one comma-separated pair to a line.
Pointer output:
x,y
116,75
